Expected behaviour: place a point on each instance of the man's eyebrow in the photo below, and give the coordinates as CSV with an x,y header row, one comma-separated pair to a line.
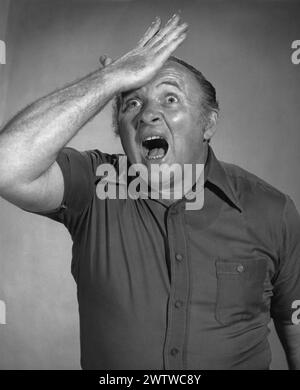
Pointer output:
x,y
173,83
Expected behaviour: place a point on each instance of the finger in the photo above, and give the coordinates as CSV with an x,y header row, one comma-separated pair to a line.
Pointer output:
x,y
104,60
107,61
152,30
167,50
167,39
169,27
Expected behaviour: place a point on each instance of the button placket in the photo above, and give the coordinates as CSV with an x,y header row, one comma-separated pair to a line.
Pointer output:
x,y
176,327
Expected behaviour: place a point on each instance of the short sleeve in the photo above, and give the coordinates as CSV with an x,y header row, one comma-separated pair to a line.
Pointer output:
x,y
287,284
78,169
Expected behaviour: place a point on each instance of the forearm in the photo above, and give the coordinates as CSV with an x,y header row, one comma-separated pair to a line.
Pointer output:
x,y
292,351
30,142
294,361
289,336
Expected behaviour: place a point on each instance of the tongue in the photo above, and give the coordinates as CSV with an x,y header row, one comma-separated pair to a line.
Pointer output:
x,y
156,153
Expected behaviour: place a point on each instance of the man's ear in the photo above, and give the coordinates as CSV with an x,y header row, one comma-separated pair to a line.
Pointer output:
x,y
211,126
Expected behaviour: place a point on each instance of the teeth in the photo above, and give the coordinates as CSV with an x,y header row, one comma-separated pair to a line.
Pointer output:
x,y
155,157
153,137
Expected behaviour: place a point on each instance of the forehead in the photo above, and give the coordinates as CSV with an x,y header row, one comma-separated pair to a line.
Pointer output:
x,y
175,73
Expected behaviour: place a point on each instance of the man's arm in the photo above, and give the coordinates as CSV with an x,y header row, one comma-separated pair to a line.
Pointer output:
x,y
31,141
289,336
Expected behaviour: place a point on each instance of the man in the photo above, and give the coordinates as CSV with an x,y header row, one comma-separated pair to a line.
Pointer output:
x,y
159,286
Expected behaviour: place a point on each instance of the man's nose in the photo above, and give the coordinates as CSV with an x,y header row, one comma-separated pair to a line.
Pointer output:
x,y
150,116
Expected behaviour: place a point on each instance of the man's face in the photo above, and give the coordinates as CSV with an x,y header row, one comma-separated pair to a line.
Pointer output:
x,y
161,122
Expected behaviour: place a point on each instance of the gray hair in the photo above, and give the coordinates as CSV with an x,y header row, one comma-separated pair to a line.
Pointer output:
x,y
209,102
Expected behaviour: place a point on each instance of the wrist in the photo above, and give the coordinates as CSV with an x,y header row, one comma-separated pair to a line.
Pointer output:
x,y
112,79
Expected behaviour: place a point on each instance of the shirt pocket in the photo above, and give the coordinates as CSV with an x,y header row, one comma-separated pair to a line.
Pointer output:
x,y
240,288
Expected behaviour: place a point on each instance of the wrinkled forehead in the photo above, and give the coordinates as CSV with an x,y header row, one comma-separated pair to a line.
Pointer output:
x,y
178,73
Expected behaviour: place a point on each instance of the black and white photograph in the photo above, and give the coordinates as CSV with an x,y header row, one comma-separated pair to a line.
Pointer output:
x,y
150,187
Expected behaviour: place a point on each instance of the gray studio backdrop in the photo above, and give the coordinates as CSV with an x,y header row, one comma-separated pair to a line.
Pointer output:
x,y
243,47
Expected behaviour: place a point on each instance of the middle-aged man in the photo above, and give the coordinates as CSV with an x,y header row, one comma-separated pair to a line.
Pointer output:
x,y
159,286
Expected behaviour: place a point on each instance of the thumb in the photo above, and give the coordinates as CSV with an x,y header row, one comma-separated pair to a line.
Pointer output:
x,y
107,61
104,60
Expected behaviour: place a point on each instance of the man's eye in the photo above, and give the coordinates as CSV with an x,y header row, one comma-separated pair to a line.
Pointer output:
x,y
170,99
133,103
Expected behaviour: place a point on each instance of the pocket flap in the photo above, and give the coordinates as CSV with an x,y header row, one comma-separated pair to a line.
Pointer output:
x,y
253,268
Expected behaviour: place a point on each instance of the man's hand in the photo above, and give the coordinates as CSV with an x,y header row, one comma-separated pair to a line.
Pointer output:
x,y
140,65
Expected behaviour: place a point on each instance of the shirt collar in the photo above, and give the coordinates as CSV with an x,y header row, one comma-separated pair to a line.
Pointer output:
x,y
215,176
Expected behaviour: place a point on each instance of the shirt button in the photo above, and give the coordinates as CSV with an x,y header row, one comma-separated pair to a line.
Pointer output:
x,y
178,257
178,304
240,268
174,351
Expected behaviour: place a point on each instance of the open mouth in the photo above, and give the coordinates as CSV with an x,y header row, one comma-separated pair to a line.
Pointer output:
x,y
155,147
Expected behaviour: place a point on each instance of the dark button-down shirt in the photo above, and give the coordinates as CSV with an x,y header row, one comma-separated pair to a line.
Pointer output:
x,y
169,288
